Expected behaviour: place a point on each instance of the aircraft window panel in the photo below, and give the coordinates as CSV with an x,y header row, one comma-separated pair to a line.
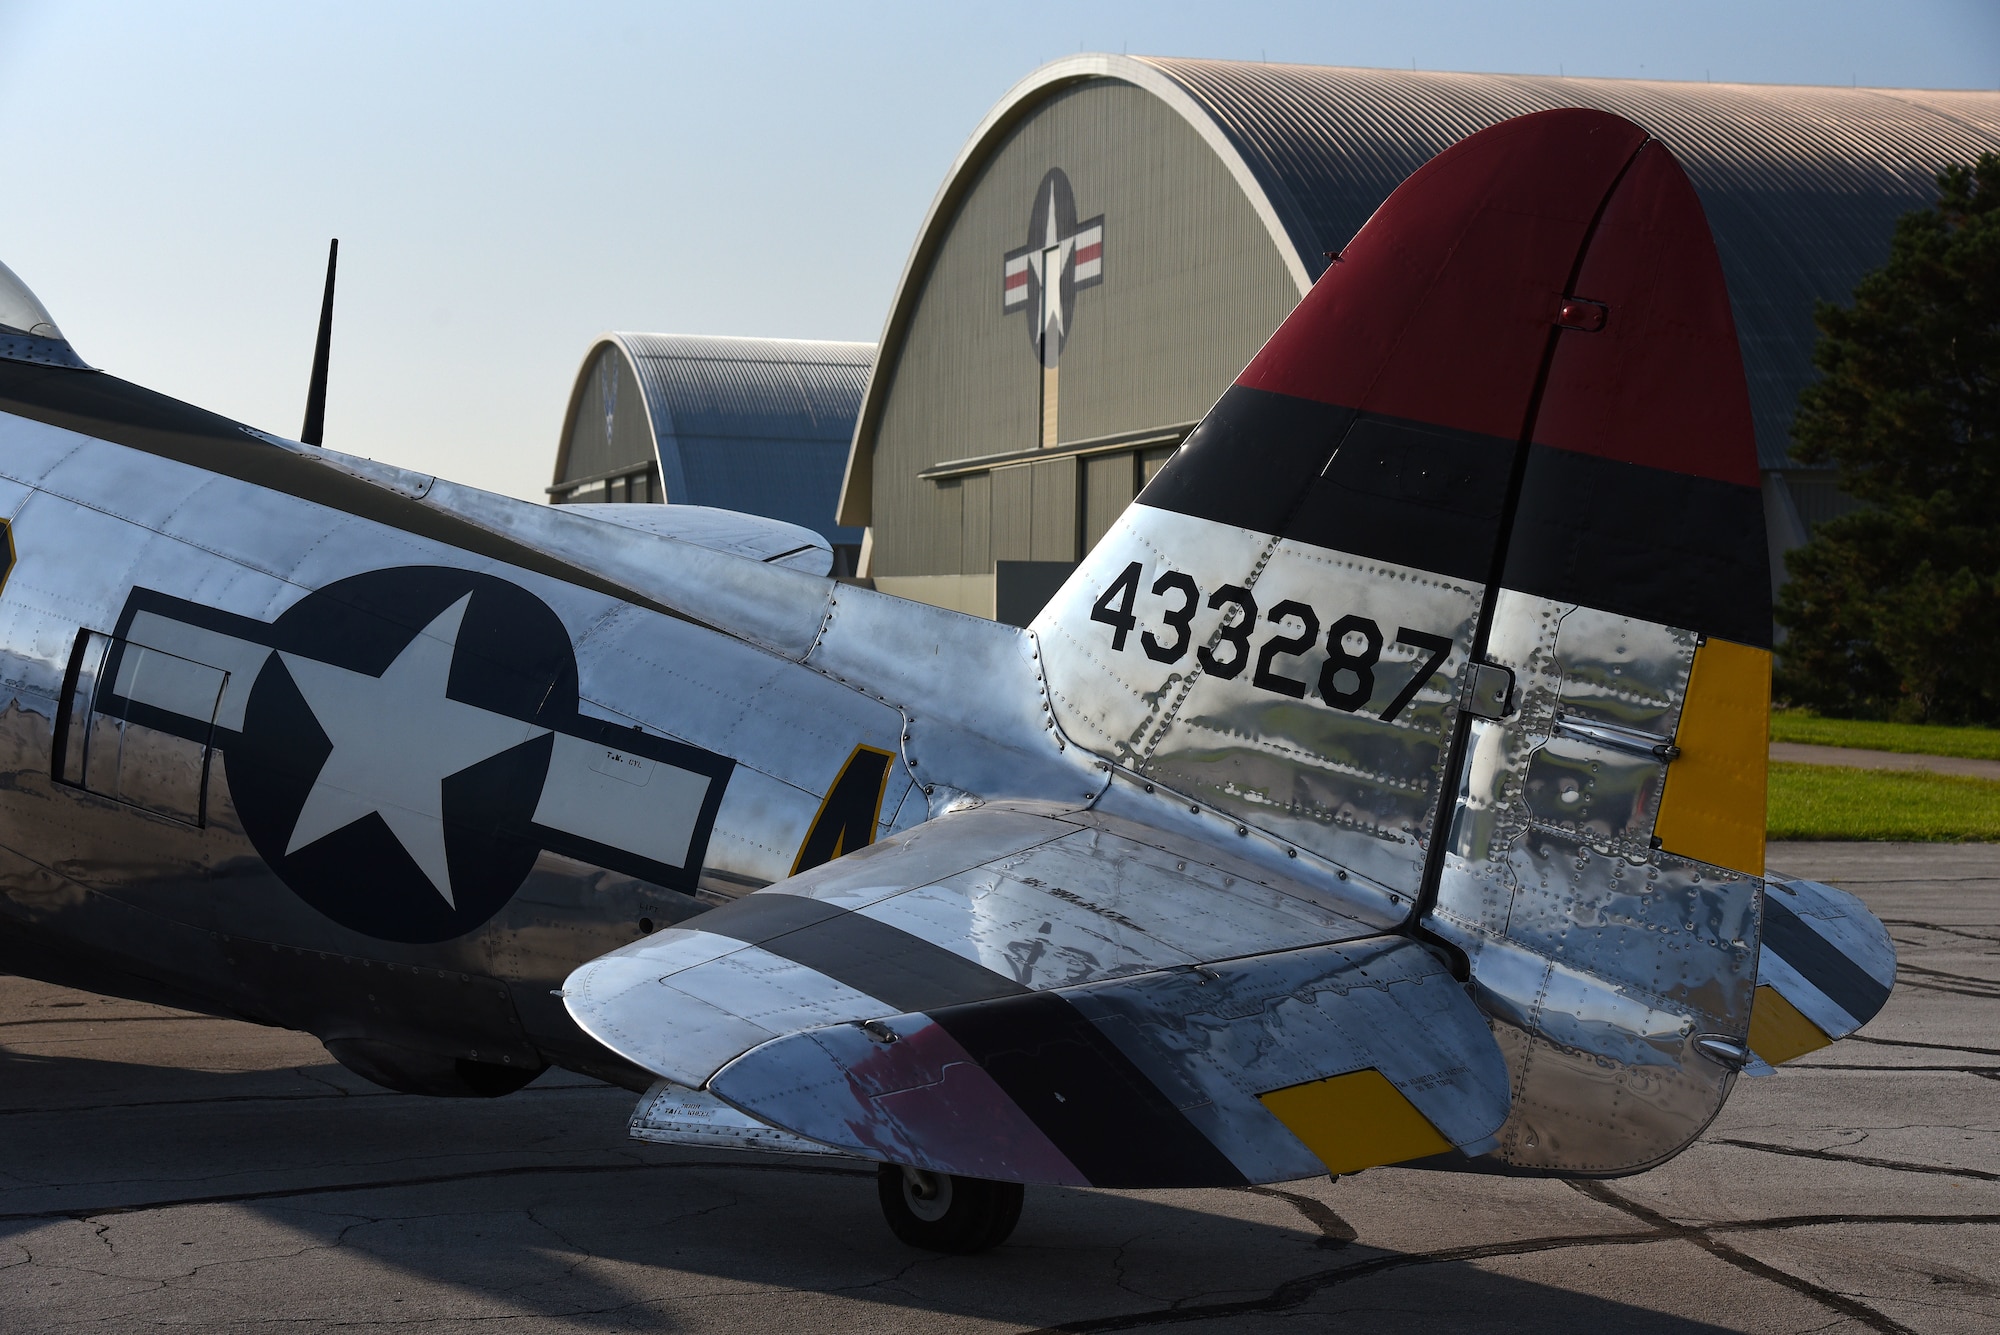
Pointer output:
x,y
168,681
136,726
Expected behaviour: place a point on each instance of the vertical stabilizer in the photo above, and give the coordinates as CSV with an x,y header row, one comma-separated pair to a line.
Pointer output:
x,y
1462,585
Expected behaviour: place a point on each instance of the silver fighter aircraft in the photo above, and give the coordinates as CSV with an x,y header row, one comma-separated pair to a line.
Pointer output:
x,y
1386,787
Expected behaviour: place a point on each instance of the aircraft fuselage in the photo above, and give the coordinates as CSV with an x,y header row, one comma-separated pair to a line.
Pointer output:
x,y
288,744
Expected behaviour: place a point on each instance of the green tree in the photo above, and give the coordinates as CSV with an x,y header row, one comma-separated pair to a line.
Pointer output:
x,y
1893,611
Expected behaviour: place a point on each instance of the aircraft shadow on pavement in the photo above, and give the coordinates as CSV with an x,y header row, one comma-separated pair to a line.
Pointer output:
x,y
539,1203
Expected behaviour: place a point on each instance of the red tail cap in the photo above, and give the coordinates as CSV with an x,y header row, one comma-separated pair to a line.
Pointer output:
x,y
1440,309
1661,382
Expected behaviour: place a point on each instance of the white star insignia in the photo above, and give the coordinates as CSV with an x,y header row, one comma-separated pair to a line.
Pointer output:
x,y
396,739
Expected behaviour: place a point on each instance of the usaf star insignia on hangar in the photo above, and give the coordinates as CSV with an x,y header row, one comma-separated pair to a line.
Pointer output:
x,y
1062,257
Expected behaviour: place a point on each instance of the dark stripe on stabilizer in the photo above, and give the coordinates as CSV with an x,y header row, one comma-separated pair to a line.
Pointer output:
x,y
756,918
888,963
1376,487
1821,963
1085,1095
1661,546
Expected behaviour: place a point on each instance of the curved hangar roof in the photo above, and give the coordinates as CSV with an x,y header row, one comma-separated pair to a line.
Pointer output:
x,y
1216,189
759,425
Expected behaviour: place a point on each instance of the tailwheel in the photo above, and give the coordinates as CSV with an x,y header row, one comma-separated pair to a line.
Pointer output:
x,y
942,1213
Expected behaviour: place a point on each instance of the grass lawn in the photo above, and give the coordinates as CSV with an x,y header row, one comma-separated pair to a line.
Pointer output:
x,y
1922,739
1830,802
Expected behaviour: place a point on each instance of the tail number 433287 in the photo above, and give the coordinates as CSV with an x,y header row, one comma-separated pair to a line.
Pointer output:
x,y
1353,643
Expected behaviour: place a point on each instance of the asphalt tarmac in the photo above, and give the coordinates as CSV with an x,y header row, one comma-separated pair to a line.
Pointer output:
x,y
164,1170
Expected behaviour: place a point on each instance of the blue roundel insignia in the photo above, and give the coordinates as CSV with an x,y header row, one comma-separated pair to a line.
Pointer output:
x,y
409,744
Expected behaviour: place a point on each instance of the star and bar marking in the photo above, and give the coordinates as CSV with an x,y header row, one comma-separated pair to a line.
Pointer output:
x,y
396,735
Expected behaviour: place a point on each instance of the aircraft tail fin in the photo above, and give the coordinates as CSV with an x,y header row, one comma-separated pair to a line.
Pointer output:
x,y
1463,587
1284,623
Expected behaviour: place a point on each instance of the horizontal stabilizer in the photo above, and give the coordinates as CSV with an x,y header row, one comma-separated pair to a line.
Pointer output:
x,y
976,906
1334,1058
1826,968
1032,995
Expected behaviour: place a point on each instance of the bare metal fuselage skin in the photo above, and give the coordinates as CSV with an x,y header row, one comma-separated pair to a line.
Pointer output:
x,y
1375,790
186,567
427,772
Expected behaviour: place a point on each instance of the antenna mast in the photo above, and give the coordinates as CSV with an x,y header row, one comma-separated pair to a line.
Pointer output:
x,y
315,428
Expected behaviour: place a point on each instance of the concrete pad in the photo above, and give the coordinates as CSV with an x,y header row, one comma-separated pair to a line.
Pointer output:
x,y
1939,1278
162,1168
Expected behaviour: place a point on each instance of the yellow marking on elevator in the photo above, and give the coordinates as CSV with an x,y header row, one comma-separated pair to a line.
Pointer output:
x,y
1779,1031
1355,1121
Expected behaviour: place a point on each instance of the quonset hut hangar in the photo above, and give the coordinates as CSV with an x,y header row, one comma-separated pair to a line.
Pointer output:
x,y
1120,235
760,425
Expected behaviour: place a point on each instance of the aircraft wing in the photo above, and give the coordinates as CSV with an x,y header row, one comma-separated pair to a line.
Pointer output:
x,y
1027,995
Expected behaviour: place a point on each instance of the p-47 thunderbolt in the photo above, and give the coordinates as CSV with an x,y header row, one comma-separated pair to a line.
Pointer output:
x,y
1387,786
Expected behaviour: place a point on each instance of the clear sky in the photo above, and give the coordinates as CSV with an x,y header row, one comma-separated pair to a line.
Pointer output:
x,y
508,180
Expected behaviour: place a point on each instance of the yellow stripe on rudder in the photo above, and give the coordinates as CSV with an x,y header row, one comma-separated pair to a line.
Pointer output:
x,y
1713,806
1778,1032
1355,1121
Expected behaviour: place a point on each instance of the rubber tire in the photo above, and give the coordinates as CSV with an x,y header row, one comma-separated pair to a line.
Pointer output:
x,y
977,1214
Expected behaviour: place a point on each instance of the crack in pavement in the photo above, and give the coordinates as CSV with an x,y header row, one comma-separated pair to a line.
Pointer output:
x,y
1920,880
116,1019
336,1093
1955,929
1295,1292
1917,985
1904,966
1913,1043
1288,1295
1983,988
1701,1237
185,1103
891,1282
1334,1232
1987,1071
1779,1223
1897,1165
397,1183
485,1156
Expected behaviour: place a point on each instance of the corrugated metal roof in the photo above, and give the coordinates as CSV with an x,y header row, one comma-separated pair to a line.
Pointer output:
x,y
1802,185
760,425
